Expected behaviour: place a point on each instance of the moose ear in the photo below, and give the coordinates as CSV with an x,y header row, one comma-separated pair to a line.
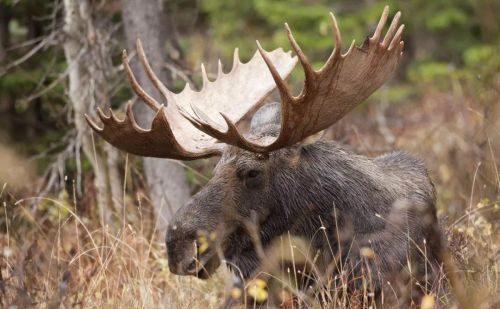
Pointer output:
x,y
299,148
312,139
268,114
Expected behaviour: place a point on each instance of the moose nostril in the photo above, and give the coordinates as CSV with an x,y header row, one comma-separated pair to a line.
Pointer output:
x,y
192,266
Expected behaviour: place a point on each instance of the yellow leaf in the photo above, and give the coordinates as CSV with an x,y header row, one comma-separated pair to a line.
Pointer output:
x,y
260,295
257,290
235,293
202,248
202,244
367,252
260,283
428,301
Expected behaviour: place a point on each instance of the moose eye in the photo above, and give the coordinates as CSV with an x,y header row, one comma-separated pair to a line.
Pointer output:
x,y
253,179
253,173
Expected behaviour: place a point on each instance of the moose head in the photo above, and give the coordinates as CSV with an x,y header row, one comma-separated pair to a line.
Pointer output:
x,y
270,175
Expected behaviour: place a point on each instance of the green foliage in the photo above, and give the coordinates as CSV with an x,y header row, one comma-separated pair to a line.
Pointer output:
x,y
395,93
478,56
17,29
309,21
58,208
20,81
429,71
448,18
484,59
482,64
441,35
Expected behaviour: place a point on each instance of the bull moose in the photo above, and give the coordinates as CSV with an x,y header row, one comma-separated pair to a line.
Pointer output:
x,y
279,175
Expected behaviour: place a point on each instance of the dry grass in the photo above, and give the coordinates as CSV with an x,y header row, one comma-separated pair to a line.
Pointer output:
x,y
72,263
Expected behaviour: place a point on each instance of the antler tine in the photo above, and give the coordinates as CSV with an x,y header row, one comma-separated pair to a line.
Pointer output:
x,y
184,113
236,59
380,26
131,118
234,134
112,115
204,76
392,30
92,124
280,83
219,69
201,125
397,37
350,49
167,94
201,121
205,118
338,37
308,70
336,52
104,118
149,100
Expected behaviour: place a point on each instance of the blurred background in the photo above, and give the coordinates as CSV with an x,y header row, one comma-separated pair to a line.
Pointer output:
x,y
81,219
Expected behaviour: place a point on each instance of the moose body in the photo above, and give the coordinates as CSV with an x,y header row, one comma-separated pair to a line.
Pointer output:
x,y
386,203
279,179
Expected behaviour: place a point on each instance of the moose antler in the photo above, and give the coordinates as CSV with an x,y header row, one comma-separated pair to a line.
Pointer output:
x,y
171,135
341,84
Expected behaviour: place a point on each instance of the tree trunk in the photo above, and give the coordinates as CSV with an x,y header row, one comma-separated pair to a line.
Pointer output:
x,y
6,102
87,55
4,31
166,179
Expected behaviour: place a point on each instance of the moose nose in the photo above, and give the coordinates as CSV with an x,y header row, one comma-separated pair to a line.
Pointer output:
x,y
181,256
184,267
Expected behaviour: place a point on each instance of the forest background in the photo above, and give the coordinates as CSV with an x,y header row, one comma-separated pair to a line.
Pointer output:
x,y
82,223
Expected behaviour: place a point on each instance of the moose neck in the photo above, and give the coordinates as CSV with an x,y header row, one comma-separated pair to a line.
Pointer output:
x,y
330,181
330,188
